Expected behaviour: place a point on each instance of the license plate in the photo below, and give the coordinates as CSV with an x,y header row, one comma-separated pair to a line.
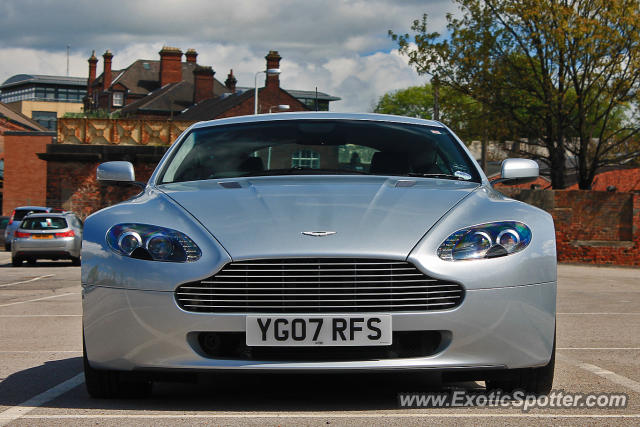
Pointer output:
x,y
42,236
340,330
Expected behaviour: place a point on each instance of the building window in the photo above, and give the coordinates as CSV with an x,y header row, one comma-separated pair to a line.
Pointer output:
x,y
47,119
305,159
118,99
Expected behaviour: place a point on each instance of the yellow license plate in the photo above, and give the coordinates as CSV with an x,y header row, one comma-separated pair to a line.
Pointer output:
x,y
42,236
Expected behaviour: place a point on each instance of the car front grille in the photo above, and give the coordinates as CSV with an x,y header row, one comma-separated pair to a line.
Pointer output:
x,y
327,285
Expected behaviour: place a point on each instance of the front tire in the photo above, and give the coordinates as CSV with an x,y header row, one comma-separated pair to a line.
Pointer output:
x,y
112,384
16,261
538,381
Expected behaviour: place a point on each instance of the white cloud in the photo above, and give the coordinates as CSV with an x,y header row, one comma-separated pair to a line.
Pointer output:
x,y
339,46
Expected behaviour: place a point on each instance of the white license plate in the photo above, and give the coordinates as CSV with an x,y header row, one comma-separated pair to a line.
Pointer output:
x,y
323,330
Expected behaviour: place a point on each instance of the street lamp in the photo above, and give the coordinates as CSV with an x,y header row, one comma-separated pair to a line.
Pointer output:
x,y
281,107
269,72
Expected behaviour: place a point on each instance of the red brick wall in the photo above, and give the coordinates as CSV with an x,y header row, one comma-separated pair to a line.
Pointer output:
x,y
593,227
73,186
25,175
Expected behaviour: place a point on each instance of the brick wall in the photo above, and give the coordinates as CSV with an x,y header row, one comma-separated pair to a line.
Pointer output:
x,y
73,186
592,227
25,175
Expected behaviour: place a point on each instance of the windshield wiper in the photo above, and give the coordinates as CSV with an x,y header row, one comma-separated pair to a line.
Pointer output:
x,y
302,170
439,175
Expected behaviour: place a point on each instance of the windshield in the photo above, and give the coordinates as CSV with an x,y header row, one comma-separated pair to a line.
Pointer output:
x,y
318,147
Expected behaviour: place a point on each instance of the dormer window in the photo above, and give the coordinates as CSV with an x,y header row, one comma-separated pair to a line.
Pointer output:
x,y
118,99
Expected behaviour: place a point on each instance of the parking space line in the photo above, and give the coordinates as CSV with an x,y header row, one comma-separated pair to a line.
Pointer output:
x,y
39,351
611,376
27,281
39,299
40,315
325,416
598,348
29,405
601,313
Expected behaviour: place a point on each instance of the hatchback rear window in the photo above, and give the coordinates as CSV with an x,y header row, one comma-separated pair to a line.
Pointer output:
x,y
21,213
43,223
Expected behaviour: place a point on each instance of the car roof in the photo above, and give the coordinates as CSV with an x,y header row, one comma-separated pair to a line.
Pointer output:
x,y
318,115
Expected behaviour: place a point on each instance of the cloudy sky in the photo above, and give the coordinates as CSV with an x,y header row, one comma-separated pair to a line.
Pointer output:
x,y
340,46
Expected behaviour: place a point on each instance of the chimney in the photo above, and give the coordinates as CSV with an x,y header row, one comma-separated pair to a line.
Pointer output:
x,y
93,62
191,55
231,81
106,75
170,65
273,61
202,83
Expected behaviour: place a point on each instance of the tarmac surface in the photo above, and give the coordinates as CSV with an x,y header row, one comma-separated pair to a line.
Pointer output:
x,y
41,381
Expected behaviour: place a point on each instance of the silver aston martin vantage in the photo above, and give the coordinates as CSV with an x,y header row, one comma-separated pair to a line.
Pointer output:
x,y
318,242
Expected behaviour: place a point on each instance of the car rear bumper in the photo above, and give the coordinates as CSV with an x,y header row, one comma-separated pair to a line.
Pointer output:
x,y
509,327
41,248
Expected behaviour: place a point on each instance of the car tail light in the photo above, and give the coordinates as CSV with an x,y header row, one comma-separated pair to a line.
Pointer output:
x,y
12,215
69,233
21,234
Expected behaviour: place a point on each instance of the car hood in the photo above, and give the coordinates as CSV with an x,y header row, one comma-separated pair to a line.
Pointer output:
x,y
266,216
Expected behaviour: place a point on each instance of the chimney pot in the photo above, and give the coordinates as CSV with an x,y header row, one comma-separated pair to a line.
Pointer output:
x,y
231,81
170,65
191,55
93,62
106,74
273,61
202,83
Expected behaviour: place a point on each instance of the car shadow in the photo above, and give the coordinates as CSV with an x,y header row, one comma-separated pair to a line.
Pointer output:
x,y
226,392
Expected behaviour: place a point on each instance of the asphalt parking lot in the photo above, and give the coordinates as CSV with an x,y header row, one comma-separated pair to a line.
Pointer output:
x,y
41,365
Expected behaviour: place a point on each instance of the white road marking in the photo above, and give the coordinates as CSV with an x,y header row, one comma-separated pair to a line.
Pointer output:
x,y
29,405
604,313
611,376
27,281
40,315
598,348
425,415
39,299
40,351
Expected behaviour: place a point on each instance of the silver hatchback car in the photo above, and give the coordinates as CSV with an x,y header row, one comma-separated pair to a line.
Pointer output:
x,y
49,236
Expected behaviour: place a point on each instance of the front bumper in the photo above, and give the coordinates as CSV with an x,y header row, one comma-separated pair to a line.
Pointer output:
x,y
508,327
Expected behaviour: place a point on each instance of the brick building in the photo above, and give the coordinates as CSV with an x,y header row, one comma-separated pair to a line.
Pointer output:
x,y
12,124
168,87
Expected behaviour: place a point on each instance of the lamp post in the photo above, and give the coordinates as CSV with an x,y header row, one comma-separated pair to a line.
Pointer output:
x,y
269,72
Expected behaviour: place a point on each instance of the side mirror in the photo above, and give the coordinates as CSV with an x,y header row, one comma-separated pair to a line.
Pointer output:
x,y
516,171
117,173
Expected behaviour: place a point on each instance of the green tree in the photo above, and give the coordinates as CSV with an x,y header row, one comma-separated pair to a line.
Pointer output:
x,y
564,74
461,113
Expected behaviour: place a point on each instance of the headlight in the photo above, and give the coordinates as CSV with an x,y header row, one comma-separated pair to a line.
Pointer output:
x,y
152,243
485,241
